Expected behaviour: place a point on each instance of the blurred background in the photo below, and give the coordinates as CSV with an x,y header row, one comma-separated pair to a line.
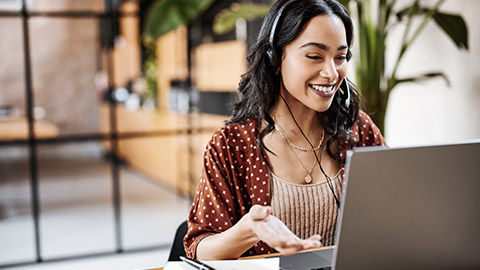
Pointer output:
x,y
106,106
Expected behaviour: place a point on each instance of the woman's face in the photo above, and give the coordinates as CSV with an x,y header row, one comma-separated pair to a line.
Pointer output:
x,y
314,64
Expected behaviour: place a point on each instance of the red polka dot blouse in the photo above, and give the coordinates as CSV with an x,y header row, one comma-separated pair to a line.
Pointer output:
x,y
235,176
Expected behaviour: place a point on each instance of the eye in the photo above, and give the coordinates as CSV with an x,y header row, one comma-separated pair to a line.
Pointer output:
x,y
341,58
313,57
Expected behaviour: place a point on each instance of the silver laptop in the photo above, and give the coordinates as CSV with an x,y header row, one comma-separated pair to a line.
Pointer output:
x,y
406,208
411,208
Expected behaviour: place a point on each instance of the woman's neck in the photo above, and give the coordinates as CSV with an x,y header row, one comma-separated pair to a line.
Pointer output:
x,y
307,119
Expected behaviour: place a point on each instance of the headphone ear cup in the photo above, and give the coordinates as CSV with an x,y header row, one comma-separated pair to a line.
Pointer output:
x,y
269,53
347,90
344,92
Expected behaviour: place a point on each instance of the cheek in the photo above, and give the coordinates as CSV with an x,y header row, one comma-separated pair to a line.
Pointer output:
x,y
342,70
342,73
291,66
293,72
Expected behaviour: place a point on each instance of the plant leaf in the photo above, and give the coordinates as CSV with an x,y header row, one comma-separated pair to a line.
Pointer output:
x,y
388,12
401,14
454,26
165,16
424,77
419,11
226,19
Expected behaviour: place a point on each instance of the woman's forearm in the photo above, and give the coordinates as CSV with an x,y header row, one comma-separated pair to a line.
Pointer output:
x,y
256,225
230,244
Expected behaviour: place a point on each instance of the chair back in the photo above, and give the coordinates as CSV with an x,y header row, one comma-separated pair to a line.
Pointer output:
x,y
177,249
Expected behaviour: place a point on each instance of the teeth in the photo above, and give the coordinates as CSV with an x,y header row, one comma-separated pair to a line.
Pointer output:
x,y
324,89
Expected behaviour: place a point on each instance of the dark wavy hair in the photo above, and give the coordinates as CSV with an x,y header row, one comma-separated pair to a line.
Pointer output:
x,y
259,88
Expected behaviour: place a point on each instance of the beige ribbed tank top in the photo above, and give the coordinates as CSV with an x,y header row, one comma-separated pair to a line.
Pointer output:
x,y
306,209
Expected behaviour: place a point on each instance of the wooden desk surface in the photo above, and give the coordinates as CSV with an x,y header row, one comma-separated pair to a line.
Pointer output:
x,y
267,255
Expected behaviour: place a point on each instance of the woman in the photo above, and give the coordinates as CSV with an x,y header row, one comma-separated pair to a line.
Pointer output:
x,y
273,174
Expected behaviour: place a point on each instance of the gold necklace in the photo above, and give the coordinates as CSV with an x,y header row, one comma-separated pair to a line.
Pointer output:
x,y
308,177
291,144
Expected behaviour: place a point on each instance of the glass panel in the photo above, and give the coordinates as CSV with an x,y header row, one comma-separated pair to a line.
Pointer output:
x,y
12,77
16,224
152,209
10,5
151,212
64,63
66,5
76,200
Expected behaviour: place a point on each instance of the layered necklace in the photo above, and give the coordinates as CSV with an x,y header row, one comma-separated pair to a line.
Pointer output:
x,y
308,177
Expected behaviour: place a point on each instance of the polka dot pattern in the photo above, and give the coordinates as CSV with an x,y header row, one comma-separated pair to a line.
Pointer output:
x,y
235,176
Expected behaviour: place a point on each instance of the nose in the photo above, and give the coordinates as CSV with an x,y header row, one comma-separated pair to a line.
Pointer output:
x,y
329,71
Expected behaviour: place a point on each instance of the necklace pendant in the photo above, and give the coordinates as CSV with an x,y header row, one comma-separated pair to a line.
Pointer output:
x,y
308,179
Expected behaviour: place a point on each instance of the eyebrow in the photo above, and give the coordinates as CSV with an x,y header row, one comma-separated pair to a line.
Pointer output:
x,y
323,46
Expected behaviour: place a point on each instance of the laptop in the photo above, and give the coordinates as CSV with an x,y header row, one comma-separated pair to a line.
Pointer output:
x,y
405,208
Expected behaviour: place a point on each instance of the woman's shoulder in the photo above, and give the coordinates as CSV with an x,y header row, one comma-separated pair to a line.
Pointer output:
x,y
365,132
234,143
240,135
364,120
245,127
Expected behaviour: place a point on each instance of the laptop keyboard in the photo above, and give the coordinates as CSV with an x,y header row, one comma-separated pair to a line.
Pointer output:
x,y
311,260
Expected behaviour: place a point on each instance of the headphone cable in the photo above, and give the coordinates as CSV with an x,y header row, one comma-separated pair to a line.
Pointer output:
x,y
329,180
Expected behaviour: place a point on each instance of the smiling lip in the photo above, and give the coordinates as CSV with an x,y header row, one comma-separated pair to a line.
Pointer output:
x,y
323,90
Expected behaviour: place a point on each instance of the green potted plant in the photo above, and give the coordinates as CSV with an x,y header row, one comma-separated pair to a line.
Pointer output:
x,y
163,17
372,29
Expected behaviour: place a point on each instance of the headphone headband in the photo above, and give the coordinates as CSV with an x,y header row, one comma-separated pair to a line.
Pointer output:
x,y
274,25
273,31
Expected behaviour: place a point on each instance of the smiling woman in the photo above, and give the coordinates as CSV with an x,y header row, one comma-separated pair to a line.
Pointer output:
x,y
314,64
265,186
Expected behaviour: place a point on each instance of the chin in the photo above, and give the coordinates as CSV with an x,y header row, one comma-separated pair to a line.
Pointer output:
x,y
321,106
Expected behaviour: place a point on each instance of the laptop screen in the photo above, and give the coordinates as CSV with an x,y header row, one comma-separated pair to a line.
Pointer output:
x,y
410,208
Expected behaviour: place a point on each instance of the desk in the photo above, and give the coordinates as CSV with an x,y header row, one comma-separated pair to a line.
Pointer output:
x,y
17,129
267,255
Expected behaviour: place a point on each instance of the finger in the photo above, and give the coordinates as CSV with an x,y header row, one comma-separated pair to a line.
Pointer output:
x,y
294,243
290,248
315,237
298,245
301,244
281,242
272,231
310,243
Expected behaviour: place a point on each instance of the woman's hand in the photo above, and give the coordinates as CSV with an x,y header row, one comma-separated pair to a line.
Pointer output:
x,y
274,233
